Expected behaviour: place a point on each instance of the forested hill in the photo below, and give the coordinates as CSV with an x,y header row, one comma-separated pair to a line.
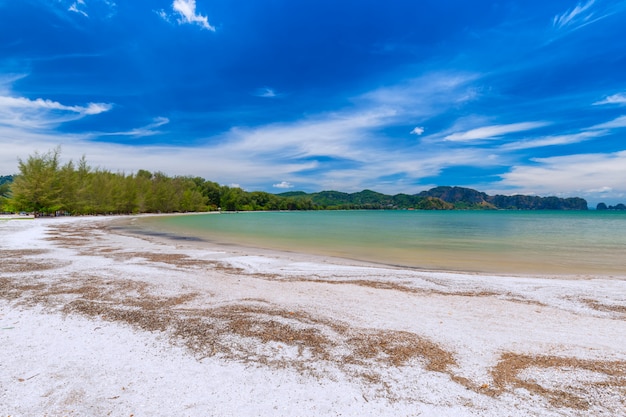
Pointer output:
x,y
439,198
5,185
5,179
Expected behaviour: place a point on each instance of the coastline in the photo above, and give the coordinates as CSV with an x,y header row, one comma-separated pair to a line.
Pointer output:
x,y
96,322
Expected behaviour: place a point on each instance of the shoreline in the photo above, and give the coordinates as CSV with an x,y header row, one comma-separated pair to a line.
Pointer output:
x,y
290,333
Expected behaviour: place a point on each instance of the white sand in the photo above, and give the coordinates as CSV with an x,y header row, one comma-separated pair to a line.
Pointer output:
x,y
97,323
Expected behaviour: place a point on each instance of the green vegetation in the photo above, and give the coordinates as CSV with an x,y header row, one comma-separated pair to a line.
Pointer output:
x,y
5,186
44,186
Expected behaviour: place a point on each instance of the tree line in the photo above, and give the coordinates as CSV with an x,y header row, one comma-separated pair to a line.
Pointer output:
x,y
45,186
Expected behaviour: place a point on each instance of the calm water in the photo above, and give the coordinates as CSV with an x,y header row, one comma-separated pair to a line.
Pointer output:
x,y
483,241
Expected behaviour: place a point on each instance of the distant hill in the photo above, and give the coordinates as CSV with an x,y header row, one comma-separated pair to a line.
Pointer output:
x,y
438,198
473,198
602,206
6,179
5,183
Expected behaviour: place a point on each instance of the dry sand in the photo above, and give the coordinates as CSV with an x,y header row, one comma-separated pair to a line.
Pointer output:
x,y
94,322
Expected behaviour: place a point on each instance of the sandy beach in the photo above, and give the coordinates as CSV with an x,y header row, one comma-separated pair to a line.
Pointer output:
x,y
95,321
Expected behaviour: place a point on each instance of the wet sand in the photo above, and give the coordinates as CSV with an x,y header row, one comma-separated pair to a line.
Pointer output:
x,y
95,322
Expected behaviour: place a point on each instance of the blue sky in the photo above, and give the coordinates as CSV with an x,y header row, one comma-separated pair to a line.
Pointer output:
x,y
395,96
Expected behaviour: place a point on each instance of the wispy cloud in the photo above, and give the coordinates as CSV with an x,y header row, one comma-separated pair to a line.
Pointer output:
x,y
25,103
100,8
186,9
595,131
331,135
585,14
426,94
21,111
360,157
77,6
148,130
163,15
616,123
8,79
266,92
619,98
574,17
554,140
492,132
581,175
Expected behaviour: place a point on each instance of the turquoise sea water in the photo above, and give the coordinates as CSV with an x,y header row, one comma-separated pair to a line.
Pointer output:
x,y
537,242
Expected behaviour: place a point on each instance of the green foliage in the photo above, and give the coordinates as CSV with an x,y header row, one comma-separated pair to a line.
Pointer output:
x,y
5,188
45,187
38,187
434,203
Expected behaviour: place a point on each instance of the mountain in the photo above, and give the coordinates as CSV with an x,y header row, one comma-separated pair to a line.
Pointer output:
x,y
602,206
477,199
438,198
460,198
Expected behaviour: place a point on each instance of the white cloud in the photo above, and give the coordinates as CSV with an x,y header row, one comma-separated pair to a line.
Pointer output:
x,y
619,98
100,8
8,79
599,130
418,131
93,108
333,135
148,130
24,103
585,14
492,132
283,184
613,124
581,174
187,11
575,16
602,190
554,140
266,92
21,111
75,7
163,15
424,95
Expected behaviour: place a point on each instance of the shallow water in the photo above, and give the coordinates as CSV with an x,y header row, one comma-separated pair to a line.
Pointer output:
x,y
537,242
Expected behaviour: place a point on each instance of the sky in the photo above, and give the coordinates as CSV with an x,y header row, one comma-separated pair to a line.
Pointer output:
x,y
507,97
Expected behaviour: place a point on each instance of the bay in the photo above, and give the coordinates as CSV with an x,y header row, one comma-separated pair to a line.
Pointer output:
x,y
583,243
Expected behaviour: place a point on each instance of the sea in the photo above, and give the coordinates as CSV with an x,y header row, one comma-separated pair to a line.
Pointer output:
x,y
581,243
